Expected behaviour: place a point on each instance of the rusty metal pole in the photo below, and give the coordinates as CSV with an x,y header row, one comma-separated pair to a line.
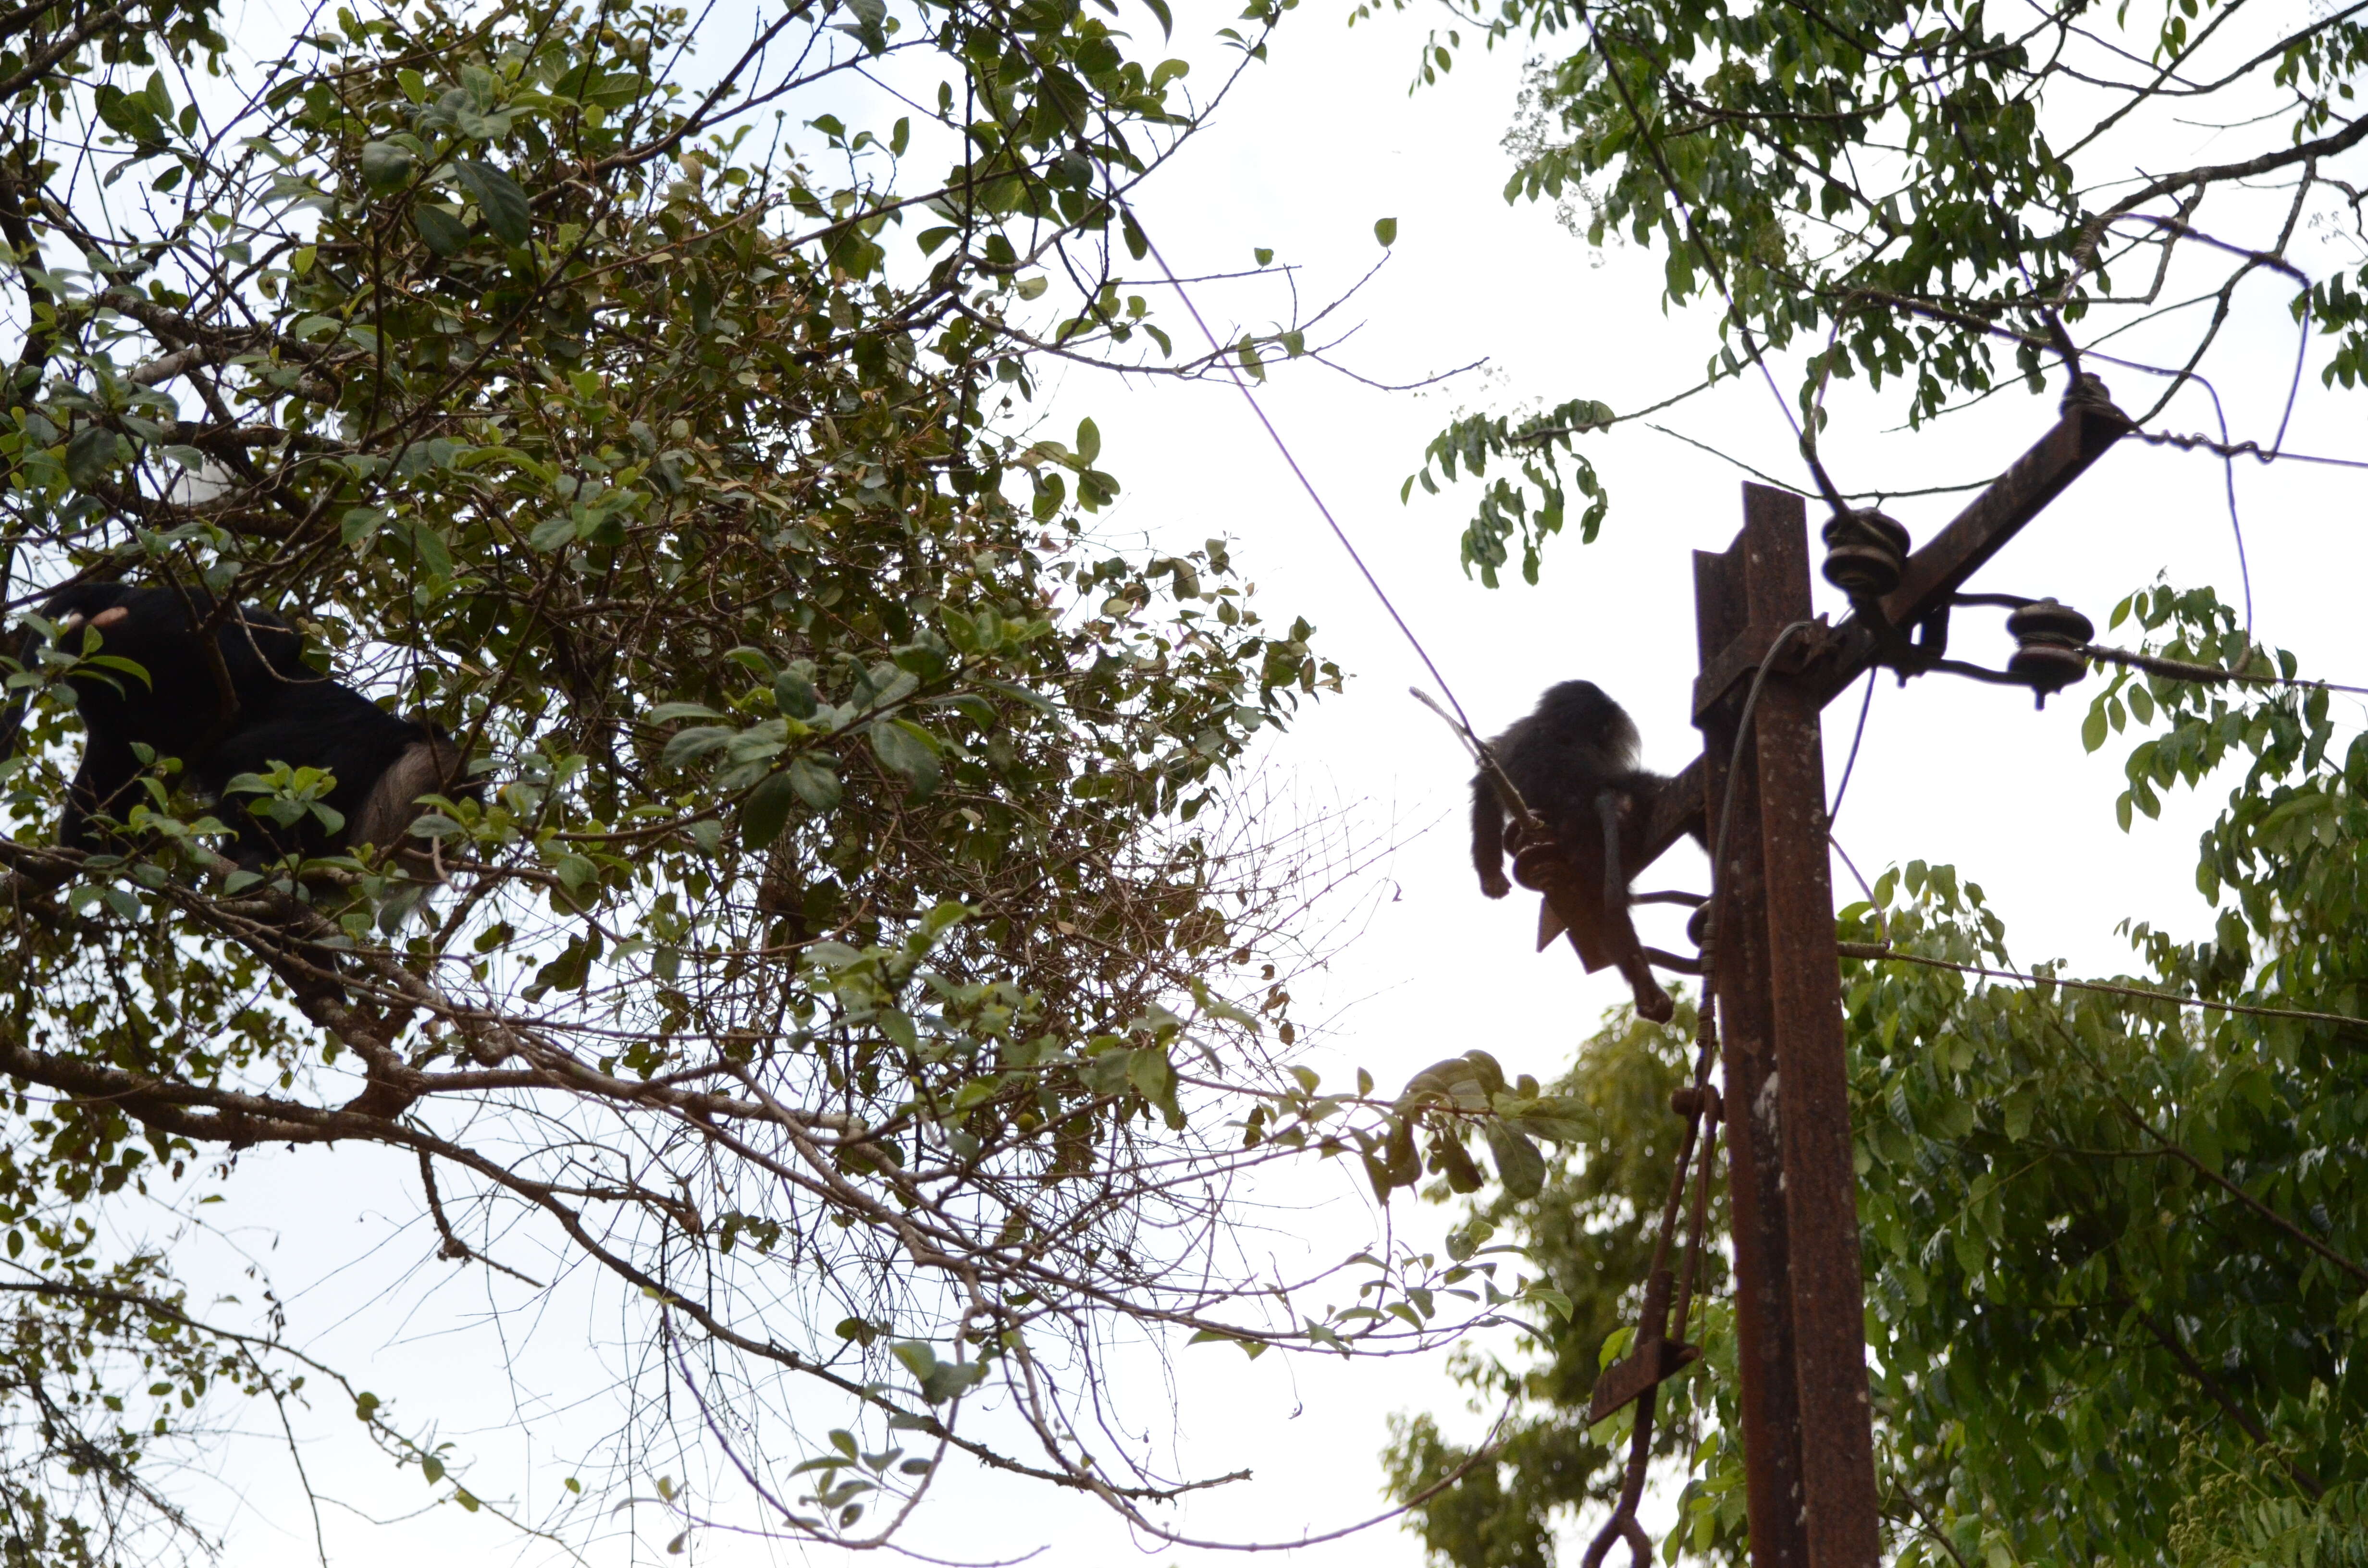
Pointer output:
x,y
1808,1438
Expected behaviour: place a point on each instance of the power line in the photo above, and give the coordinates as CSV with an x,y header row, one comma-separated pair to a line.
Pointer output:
x,y
2207,674
2228,462
1865,704
2224,448
1300,473
1879,952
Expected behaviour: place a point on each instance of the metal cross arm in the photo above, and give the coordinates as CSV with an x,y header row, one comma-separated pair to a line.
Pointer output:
x,y
2088,428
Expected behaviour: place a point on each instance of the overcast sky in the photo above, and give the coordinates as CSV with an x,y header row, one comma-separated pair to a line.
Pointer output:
x,y
1316,146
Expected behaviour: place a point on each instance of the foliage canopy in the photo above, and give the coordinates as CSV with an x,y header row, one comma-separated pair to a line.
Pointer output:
x,y
852,955
1944,199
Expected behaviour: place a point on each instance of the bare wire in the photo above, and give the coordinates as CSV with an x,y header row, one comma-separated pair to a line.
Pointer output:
x,y
1856,736
2207,674
1875,954
1300,473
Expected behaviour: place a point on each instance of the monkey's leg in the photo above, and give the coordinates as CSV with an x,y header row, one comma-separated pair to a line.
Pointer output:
x,y
1615,881
1619,931
1488,839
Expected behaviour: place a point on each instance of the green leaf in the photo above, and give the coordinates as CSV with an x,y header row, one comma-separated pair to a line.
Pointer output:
x,y
510,218
909,751
766,810
444,234
1063,95
691,745
2092,728
1153,1076
1518,1164
815,782
1386,230
138,671
361,523
386,164
948,1379
91,455
794,694
1548,1297
1089,440
429,550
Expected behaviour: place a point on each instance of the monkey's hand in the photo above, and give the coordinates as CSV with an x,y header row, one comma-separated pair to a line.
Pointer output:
x,y
1494,884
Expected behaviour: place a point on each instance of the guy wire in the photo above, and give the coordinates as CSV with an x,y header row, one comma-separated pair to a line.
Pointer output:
x,y
1300,473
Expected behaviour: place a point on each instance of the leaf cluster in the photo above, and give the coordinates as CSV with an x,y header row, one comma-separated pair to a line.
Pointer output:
x,y
852,893
1933,196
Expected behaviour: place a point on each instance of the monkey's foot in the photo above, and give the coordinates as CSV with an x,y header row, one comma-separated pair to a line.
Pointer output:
x,y
1652,1002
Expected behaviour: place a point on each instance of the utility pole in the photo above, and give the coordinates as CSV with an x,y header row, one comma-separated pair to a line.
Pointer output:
x,y
1799,1308
1808,1443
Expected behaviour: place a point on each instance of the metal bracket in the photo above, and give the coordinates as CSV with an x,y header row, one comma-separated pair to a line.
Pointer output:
x,y
1749,651
1656,1359
1653,1362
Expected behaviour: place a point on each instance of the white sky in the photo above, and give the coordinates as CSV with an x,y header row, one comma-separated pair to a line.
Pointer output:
x,y
1315,148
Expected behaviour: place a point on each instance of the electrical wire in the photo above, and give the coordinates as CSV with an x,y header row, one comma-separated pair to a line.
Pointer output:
x,y
2227,467
1856,736
1300,473
1876,952
1734,766
1805,442
2242,448
2208,675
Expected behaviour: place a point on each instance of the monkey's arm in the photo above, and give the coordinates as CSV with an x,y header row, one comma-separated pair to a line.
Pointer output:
x,y
1488,839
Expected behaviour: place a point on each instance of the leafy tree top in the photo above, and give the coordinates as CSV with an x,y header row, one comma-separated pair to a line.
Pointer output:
x,y
1943,198
849,954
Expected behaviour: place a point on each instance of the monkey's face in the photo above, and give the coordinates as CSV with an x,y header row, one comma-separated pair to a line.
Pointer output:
x,y
89,604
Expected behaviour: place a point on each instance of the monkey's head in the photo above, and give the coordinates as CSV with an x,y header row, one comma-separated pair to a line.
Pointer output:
x,y
96,604
1579,710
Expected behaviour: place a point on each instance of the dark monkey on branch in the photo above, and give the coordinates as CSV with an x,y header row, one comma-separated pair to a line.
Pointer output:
x,y
276,709
1574,761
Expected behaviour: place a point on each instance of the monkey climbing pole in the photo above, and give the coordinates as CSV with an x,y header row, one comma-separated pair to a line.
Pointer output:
x,y
1800,1323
